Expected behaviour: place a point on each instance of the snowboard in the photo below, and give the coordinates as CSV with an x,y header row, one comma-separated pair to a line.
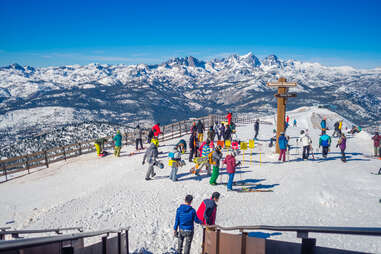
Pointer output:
x,y
243,189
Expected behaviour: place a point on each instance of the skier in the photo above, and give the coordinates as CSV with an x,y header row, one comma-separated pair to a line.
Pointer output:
x,y
156,130
306,143
229,117
230,168
211,133
193,143
282,141
323,125
256,128
99,146
151,156
200,131
215,158
174,162
138,137
325,142
118,143
207,210
185,218
221,132
336,133
294,122
376,144
342,143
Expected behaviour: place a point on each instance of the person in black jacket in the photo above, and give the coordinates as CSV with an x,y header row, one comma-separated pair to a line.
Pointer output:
x,y
193,146
200,131
256,128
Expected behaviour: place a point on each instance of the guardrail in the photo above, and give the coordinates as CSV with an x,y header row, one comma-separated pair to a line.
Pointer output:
x,y
216,242
17,233
71,243
25,163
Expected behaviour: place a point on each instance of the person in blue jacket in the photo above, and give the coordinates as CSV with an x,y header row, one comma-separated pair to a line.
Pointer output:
x,y
325,142
323,125
185,218
282,141
118,143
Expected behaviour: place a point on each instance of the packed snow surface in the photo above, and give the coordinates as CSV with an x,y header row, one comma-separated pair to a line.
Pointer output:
x,y
98,193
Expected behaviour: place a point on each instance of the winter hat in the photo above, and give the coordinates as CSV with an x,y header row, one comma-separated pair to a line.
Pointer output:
x,y
188,198
216,195
302,132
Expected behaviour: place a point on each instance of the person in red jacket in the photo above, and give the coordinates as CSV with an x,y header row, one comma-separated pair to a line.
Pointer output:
x,y
156,130
207,210
229,117
230,168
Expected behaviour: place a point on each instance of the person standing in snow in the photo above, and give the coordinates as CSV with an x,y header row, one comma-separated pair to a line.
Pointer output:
x,y
185,218
215,158
256,128
194,127
151,156
230,168
323,125
228,133
193,145
325,142
336,133
216,129
205,153
342,144
229,117
200,131
207,210
294,122
376,144
174,162
340,127
306,144
156,130
287,119
282,142
221,132
118,143
211,134
138,137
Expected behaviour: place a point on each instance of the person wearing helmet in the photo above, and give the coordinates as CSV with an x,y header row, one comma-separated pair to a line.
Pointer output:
x,y
215,158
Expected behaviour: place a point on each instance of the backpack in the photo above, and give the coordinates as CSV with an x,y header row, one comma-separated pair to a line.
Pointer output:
x,y
325,142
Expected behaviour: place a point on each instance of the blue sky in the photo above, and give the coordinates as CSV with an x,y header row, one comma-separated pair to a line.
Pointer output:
x,y
43,33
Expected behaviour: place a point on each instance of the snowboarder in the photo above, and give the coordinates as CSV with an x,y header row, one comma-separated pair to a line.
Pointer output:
x,y
211,133
185,218
151,156
323,125
138,137
118,143
325,142
193,145
282,141
229,117
230,168
214,159
200,131
376,144
207,210
256,128
99,146
342,144
306,144
156,130
174,162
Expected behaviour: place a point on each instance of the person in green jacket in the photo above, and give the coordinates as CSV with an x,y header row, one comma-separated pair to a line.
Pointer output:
x,y
118,143
215,161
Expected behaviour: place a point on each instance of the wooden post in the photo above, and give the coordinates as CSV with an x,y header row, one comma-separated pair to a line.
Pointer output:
x,y
243,242
119,242
281,114
218,241
46,159
80,148
64,152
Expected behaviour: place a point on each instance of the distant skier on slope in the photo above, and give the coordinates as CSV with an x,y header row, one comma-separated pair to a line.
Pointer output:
x,y
207,211
185,218
342,144
376,144
118,143
294,122
325,143
323,125
256,128
151,157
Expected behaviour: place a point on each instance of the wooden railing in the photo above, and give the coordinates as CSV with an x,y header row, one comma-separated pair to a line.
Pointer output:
x,y
25,163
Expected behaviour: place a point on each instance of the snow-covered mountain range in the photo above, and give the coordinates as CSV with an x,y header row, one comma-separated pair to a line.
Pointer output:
x,y
39,99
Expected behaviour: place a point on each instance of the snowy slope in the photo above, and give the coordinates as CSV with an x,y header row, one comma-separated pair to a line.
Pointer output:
x,y
111,192
176,90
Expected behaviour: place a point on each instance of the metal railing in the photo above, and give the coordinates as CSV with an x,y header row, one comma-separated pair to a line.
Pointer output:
x,y
71,243
212,238
17,233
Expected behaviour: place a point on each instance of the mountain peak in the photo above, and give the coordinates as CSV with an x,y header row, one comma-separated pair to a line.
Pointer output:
x,y
271,60
187,61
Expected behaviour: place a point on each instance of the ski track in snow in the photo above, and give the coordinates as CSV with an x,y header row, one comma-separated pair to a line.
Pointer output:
x,y
98,193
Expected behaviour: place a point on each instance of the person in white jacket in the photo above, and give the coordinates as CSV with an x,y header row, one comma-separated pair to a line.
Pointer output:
x,y
306,143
